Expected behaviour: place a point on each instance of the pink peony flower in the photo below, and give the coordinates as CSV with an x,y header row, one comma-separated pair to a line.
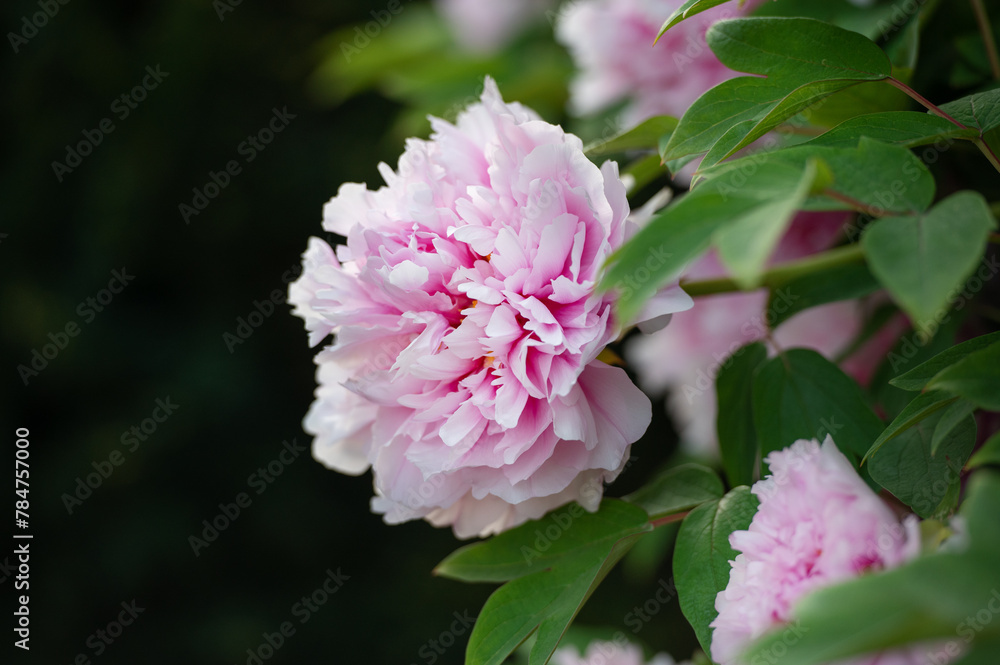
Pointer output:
x,y
488,26
464,369
611,42
608,653
818,524
686,357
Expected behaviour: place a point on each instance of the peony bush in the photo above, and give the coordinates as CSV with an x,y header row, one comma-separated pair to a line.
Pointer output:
x,y
794,235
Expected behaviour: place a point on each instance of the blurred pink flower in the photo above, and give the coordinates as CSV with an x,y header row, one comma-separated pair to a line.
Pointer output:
x,y
611,42
818,524
467,329
607,653
686,357
488,26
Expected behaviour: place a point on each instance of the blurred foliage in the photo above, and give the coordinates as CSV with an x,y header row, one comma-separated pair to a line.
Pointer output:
x,y
162,336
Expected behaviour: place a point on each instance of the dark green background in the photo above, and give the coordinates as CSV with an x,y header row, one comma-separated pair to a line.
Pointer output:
x,y
163,337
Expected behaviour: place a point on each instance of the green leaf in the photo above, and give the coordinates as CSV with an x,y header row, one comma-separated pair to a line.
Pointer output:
x,y
920,408
980,511
683,230
744,99
545,601
746,244
981,110
804,61
976,378
879,175
921,259
802,395
988,454
860,99
797,49
687,10
905,128
724,145
952,417
833,285
797,100
922,480
676,490
918,377
734,419
564,534
867,20
646,135
702,555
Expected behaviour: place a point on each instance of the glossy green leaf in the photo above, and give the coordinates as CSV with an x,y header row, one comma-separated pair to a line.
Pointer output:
x,y
952,417
981,110
905,128
921,259
564,534
845,282
802,395
865,19
804,61
687,10
645,135
746,244
860,99
740,101
545,602
797,49
676,490
734,418
921,407
797,100
722,148
980,512
918,377
976,378
988,453
702,555
922,480
879,175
